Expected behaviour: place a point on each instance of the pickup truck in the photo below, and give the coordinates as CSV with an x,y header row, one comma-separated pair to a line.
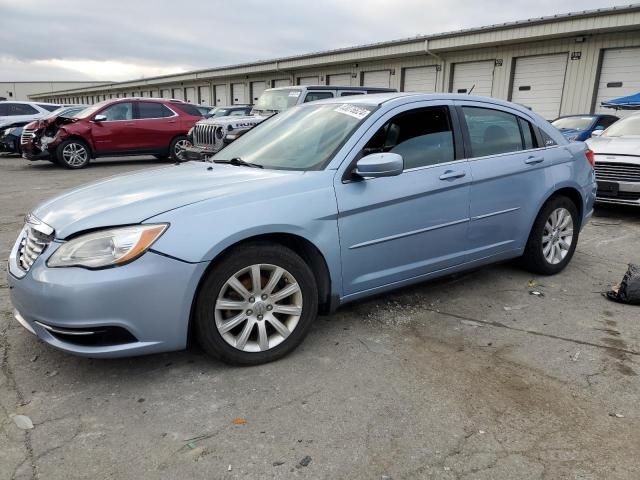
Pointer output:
x,y
210,135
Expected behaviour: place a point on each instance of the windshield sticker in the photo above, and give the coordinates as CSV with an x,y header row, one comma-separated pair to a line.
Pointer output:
x,y
353,111
294,93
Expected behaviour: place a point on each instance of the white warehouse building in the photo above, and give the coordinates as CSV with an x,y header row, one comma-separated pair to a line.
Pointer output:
x,y
560,65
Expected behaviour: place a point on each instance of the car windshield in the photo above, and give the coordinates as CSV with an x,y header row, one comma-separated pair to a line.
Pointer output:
x,y
218,112
302,138
278,100
573,123
87,112
624,127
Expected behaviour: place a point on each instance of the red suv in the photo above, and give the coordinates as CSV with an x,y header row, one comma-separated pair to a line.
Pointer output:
x,y
124,126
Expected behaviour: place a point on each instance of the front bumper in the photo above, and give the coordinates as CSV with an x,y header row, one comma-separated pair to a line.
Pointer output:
x,y
196,153
140,308
618,193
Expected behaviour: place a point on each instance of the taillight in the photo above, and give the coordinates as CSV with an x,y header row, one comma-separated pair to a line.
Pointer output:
x,y
591,158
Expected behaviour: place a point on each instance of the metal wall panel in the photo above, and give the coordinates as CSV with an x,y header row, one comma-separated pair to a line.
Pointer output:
x,y
538,83
419,79
220,95
619,76
473,78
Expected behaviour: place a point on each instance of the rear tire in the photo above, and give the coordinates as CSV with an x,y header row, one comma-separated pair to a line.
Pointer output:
x,y
176,147
272,300
73,154
553,238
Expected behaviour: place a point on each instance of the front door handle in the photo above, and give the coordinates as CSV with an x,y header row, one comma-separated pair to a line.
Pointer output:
x,y
533,160
452,175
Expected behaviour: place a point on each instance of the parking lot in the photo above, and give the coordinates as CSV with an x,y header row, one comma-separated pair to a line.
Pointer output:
x,y
467,377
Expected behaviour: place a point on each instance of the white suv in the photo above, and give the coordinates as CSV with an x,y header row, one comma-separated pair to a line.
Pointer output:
x,y
20,113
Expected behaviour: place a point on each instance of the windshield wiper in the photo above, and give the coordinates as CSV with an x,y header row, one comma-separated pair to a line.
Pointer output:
x,y
237,161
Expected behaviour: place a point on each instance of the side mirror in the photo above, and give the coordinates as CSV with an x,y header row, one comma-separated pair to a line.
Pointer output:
x,y
380,165
597,133
99,118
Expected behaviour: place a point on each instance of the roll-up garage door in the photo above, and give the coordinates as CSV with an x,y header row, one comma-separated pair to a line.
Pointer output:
x,y
307,80
166,93
220,95
204,95
419,79
154,94
237,94
178,93
191,94
341,79
282,82
475,78
619,76
538,82
256,90
380,78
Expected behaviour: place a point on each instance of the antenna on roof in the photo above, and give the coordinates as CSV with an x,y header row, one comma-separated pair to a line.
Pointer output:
x,y
471,90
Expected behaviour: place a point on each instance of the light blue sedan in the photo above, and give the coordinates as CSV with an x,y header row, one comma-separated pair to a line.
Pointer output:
x,y
320,205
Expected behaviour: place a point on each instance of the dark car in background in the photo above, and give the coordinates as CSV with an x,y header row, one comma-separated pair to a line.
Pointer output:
x,y
578,128
118,127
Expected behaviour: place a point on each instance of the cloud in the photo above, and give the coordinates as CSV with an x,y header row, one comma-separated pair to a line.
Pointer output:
x,y
118,40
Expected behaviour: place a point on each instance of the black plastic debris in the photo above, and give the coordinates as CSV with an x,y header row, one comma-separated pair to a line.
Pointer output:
x,y
629,289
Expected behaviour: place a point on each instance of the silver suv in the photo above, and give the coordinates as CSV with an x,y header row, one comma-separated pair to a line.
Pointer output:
x,y
20,113
210,135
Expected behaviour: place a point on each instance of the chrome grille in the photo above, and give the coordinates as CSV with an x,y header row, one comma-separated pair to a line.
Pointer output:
x,y
207,135
31,246
27,133
617,172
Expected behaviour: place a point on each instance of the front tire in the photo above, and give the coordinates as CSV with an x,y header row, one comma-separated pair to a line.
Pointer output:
x,y
256,305
73,154
176,148
553,238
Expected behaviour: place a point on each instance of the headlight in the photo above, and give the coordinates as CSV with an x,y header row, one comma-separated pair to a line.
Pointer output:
x,y
107,248
8,131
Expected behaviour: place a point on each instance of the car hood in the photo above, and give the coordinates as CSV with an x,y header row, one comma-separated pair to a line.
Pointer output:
x,y
628,145
132,198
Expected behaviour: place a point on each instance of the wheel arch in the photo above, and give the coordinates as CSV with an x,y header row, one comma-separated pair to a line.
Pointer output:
x,y
75,136
306,249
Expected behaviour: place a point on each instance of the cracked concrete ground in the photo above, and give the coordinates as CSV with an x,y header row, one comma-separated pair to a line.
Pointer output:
x,y
469,377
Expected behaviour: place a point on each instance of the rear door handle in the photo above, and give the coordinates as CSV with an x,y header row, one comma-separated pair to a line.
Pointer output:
x,y
452,175
534,160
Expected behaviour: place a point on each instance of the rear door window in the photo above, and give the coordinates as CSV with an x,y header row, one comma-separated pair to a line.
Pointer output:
x,y
147,110
494,132
13,109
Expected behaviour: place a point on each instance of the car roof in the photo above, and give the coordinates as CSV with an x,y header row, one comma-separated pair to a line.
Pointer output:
x,y
27,103
233,106
407,97
334,87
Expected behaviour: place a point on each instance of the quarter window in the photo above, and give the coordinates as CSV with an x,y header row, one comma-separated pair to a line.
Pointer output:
x,y
49,108
153,110
313,96
528,137
492,132
423,137
119,111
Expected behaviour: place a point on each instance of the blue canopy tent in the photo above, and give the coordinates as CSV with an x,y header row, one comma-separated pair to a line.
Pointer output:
x,y
630,102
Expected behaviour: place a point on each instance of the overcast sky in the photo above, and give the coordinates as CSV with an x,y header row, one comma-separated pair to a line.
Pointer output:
x,y
120,40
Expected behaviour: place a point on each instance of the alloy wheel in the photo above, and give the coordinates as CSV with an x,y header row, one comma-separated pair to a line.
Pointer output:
x,y
258,307
75,154
557,236
179,147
